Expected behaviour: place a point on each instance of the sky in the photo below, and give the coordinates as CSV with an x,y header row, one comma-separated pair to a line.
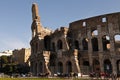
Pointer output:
x,y
16,17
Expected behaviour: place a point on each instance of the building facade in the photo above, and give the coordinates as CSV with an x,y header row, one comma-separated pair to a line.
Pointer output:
x,y
21,56
88,45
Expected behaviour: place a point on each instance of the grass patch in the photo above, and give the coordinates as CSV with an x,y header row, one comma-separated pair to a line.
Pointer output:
x,y
41,79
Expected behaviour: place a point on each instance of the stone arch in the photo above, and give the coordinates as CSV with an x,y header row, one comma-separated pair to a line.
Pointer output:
x,y
60,67
94,32
76,44
59,44
94,44
85,43
47,41
117,42
68,67
107,66
106,42
96,65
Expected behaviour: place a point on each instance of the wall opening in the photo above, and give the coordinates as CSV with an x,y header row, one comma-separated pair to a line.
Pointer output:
x,y
40,67
59,44
85,44
60,67
84,24
85,69
106,42
104,19
107,66
69,67
36,47
94,44
52,59
94,33
117,42
53,46
47,41
76,44
96,65
118,66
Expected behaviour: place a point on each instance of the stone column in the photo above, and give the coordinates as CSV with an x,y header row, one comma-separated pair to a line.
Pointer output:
x,y
31,67
38,68
34,69
101,62
90,50
112,48
100,48
100,45
114,66
64,68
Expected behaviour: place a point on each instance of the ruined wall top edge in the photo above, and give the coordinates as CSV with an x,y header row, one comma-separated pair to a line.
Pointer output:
x,y
95,20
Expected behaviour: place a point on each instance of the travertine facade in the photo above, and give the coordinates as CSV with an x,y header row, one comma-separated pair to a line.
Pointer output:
x,y
88,45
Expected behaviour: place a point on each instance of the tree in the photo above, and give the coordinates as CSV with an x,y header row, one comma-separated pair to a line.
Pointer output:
x,y
4,59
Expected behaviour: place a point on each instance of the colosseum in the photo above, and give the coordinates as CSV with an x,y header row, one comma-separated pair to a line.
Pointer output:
x,y
87,45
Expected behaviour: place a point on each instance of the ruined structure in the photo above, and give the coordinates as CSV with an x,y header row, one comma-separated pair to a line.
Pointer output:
x,y
88,45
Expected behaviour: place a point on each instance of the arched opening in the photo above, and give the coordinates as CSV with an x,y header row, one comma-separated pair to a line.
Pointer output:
x,y
35,72
69,67
118,66
47,41
52,59
60,67
59,44
117,42
106,42
36,48
52,62
76,44
40,67
86,63
85,44
31,67
94,44
53,46
86,68
107,66
96,65
94,33
33,32
32,49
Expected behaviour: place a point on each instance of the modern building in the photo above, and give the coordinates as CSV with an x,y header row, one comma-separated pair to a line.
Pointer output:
x,y
88,45
21,56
